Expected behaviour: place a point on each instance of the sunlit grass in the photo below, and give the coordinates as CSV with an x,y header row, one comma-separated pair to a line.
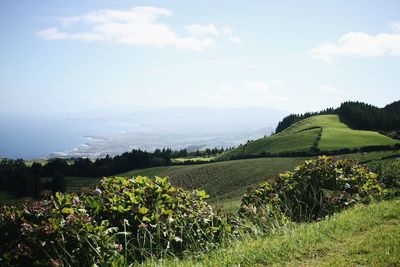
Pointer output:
x,y
360,236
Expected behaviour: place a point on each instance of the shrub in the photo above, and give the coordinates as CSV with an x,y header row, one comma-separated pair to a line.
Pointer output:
x,y
389,173
123,220
313,190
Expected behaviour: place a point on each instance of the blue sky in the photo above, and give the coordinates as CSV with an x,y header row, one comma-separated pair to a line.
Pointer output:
x,y
66,56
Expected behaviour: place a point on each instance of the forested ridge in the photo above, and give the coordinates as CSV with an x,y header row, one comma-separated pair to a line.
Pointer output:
x,y
357,115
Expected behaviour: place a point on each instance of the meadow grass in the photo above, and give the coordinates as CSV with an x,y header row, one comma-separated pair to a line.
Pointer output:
x,y
360,236
337,135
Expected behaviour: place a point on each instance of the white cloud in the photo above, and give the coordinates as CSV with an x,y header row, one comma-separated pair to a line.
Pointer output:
x,y
52,34
135,26
228,32
361,45
200,30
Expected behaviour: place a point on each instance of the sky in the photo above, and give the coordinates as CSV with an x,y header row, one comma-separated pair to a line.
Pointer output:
x,y
70,56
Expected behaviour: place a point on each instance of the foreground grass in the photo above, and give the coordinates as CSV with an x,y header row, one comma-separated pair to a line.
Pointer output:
x,y
361,236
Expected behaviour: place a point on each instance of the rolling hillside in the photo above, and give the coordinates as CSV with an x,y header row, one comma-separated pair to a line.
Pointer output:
x,y
303,135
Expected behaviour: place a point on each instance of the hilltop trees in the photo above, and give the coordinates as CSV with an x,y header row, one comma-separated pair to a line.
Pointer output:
x,y
368,117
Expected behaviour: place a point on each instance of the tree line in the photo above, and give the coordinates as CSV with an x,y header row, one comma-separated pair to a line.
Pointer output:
x,y
364,116
25,180
183,153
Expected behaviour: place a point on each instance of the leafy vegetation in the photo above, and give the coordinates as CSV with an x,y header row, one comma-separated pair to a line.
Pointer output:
x,y
312,191
389,172
122,220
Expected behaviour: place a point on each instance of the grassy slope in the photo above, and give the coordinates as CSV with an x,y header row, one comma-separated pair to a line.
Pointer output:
x,y
336,135
346,239
301,136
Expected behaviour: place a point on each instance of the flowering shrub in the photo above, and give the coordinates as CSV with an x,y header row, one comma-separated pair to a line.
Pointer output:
x,y
313,190
122,220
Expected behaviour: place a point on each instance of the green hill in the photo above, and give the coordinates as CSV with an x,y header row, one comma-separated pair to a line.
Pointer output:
x,y
303,135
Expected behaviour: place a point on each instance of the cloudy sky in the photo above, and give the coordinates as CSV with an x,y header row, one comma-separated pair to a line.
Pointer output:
x,y
65,56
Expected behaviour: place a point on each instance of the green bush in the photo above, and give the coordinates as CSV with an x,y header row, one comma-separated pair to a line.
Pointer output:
x,y
390,175
123,220
313,190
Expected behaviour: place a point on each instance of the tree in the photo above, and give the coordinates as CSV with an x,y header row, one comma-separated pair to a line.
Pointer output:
x,y
58,184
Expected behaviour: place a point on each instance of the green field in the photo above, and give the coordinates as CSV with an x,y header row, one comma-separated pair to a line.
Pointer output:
x,y
337,135
302,135
345,239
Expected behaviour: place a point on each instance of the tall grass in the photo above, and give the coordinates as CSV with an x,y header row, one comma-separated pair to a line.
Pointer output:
x,y
366,235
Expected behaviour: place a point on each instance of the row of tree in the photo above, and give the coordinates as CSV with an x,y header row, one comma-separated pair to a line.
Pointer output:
x,y
368,117
15,176
25,180
183,153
